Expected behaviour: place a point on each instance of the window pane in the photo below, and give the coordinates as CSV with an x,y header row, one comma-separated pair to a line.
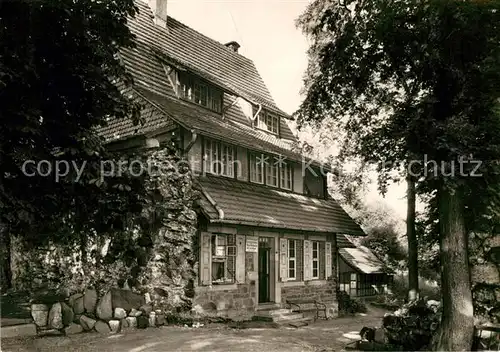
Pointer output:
x,y
291,248
219,158
217,271
256,168
199,92
286,176
272,173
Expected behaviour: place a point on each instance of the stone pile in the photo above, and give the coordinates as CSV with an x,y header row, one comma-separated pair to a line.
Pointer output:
x,y
116,310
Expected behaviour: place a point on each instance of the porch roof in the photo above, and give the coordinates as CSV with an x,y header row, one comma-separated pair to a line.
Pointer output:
x,y
230,201
362,259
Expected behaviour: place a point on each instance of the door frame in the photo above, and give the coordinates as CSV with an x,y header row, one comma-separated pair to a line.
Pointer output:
x,y
271,241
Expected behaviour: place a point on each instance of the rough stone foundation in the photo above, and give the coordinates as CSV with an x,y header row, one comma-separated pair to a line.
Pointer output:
x,y
235,303
319,291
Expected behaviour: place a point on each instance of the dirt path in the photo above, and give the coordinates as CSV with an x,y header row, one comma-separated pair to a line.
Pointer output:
x,y
319,336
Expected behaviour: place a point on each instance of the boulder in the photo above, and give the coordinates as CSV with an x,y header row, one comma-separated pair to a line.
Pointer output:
x,y
152,319
76,319
146,309
67,314
142,322
114,325
87,323
76,302
104,308
134,313
380,336
160,319
40,314
102,327
73,298
124,324
120,313
90,301
131,322
126,299
55,320
73,329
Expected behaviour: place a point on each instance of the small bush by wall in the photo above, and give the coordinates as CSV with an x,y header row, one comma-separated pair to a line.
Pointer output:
x,y
348,305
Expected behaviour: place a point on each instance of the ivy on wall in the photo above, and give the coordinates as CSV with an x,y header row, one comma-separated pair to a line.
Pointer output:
x,y
151,250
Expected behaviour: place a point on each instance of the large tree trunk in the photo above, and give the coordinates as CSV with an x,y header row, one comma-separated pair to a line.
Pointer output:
x,y
457,324
412,241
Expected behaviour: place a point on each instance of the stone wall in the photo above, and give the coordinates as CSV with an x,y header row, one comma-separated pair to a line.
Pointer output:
x,y
235,303
116,310
322,291
485,276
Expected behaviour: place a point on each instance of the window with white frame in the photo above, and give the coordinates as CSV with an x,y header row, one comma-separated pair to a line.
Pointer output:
x,y
223,259
292,260
256,168
286,176
267,121
198,91
315,260
219,158
271,170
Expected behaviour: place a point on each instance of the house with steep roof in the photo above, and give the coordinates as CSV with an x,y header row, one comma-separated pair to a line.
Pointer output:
x,y
268,230
361,273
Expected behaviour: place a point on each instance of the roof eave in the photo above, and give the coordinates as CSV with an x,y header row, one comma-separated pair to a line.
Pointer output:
x,y
282,227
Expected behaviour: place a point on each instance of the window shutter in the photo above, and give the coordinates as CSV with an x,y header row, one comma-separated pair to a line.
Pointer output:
x,y
240,259
328,259
205,259
307,260
283,259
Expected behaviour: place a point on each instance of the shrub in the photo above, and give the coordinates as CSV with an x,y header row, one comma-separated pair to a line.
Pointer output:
x,y
412,326
399,288
349,306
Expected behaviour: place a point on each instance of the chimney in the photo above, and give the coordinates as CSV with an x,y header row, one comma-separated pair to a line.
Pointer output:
x,y
234,46
159,8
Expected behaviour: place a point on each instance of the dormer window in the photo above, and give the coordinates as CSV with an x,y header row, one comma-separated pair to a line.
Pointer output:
x,y
199,91
267,121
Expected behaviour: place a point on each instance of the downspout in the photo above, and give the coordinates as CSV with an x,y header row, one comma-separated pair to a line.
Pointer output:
x,y
214,204
194,137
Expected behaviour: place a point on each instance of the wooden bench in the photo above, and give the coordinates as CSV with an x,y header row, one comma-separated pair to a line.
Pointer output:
x,y
300,305
486,338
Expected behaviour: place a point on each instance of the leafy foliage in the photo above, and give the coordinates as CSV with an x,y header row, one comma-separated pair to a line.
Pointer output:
x,y
385,244
61,78
349,306
408,78
412,326
410,81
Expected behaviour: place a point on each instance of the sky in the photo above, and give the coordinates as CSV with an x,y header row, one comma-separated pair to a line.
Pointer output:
x,y
266,31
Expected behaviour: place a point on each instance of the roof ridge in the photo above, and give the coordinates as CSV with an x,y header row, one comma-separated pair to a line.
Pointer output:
x,y
203,35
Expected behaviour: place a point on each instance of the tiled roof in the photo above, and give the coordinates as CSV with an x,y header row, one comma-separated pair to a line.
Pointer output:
x,y
241,203
344,242
212,125
119,129
362,259
209,58
202,55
